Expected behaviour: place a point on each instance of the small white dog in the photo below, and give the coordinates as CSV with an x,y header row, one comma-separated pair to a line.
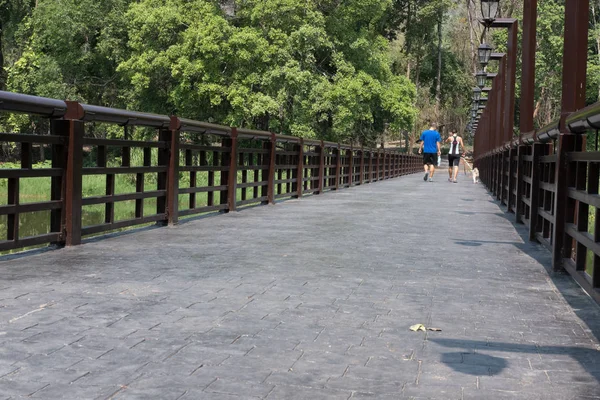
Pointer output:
x,y
475,175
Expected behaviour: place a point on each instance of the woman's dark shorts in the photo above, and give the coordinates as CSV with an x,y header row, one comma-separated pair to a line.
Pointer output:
x,y
429,158
453,160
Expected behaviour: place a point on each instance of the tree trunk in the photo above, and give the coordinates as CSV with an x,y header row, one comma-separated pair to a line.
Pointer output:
x,y
438,87
471,38
408,41
2,76
417,71
597,38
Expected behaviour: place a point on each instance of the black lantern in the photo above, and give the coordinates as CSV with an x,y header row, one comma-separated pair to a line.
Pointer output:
x,y
489,9
476,93
481,78
484,52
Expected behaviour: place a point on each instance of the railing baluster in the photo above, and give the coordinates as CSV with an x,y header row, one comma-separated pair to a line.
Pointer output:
x,y
13,219
189,161
59,160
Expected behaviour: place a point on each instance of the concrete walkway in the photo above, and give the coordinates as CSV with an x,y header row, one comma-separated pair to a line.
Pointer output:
x,y
308,299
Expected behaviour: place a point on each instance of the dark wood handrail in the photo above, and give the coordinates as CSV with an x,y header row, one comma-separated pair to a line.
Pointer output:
x,y
24,103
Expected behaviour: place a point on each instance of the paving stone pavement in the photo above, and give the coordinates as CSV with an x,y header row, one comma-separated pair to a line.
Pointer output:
x,y
307,299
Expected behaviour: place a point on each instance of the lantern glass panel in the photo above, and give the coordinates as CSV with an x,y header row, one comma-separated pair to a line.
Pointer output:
x,y
481,78
484,52
489,9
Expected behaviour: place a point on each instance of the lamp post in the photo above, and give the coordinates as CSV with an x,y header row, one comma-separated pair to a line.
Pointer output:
x,y
495,122
510,77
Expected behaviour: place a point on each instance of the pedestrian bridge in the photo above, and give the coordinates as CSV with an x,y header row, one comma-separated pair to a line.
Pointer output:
x,y
307,298
271,267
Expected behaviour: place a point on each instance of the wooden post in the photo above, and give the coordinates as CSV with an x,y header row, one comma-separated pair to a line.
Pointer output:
x,y
538,150
266,163
370,165
573,99
361,178
272,154
299,173
511,183
224,179
518,197
350,155
173,179
384,163
74,129
232,179
566,143
321,150
377,165
164,135
337,152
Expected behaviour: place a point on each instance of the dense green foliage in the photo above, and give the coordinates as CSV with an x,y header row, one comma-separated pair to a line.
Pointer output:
x,y
366,71
310,68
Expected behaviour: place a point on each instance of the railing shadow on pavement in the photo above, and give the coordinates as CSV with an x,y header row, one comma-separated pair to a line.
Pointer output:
x,y
573,294
488,365
582,305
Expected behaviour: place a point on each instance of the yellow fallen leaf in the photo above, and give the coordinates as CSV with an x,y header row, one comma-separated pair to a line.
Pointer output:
x,y
417,327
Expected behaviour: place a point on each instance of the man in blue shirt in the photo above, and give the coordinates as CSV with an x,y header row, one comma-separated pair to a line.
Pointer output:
x,y
430,147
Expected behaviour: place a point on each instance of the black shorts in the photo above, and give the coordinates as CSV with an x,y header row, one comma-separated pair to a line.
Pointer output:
x,y
453,160
429,158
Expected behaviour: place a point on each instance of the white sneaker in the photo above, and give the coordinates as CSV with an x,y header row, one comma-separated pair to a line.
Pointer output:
x,y
430,179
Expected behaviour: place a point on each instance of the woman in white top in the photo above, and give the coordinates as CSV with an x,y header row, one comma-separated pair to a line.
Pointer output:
x,y
456,151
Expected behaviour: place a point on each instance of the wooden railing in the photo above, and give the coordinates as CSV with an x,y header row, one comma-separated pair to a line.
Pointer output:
x,y
187,168
558,201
